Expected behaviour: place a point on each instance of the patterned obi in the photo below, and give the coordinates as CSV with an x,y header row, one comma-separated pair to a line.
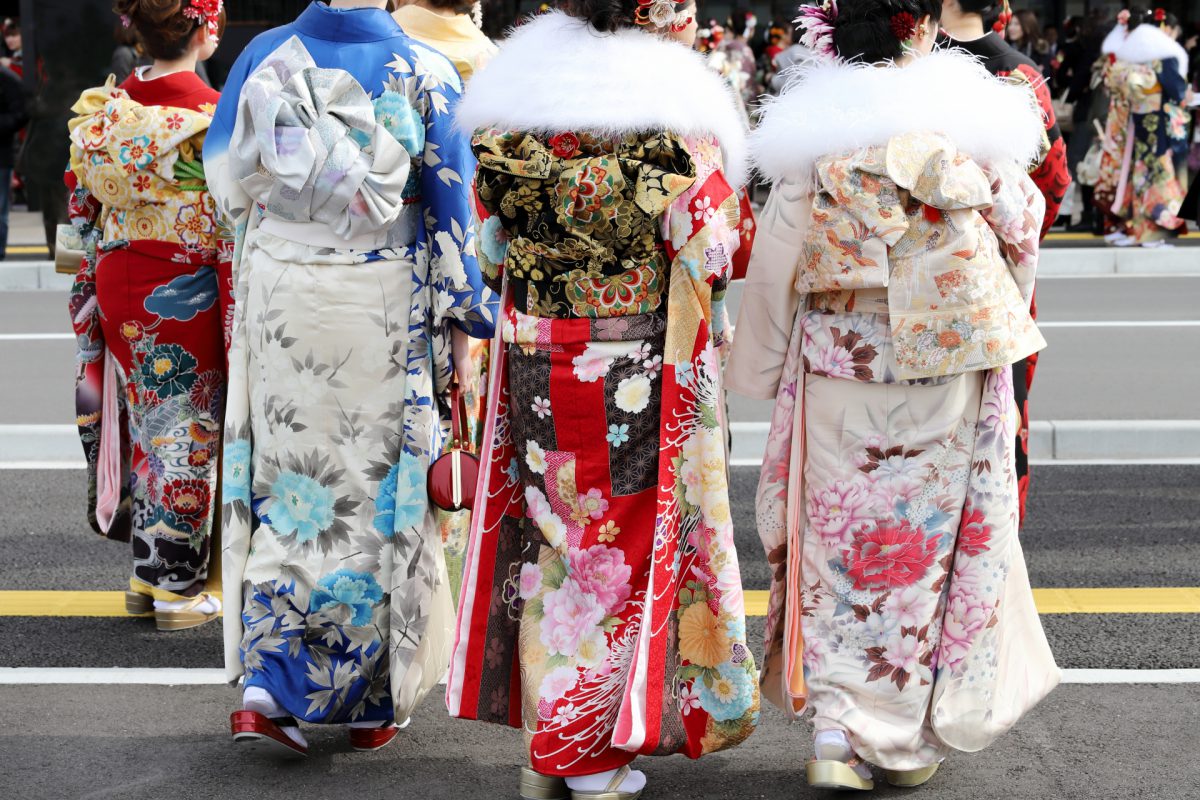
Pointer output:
x,y
919,231
315,151
142,163
582,218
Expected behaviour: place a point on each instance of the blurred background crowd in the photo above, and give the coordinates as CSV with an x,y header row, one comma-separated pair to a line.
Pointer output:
x,y
53,49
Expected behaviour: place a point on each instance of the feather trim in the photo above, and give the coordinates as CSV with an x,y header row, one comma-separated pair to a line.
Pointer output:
x,y
837,108
1148,43
556,73
1113,41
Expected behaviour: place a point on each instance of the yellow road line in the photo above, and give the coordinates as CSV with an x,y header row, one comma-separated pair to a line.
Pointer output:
x,y
28,250
1156,600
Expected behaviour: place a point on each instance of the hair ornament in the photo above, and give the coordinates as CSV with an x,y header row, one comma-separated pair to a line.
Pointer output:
x,y
817,23
126,21
1005,17
904,26
207,13
1123,17
662,14
1160,15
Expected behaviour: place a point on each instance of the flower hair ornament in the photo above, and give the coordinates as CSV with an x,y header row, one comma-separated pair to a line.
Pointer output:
x,y
1160,16
207,13
904,27
663,14
816,23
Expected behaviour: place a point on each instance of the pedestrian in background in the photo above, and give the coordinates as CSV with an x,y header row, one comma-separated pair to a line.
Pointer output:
x,y
452,28
1024,33
13,118
602,605
1146,134
127,56
148,307
887,297
335,159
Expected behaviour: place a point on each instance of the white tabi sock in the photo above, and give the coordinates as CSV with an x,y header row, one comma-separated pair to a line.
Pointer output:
x,y
635,781
255,698
211,605
833,745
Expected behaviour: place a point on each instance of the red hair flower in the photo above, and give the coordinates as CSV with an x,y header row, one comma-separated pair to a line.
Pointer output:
x,y
904,25
1160,15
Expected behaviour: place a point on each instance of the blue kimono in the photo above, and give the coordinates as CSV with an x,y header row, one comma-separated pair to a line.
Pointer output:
x,y
334,159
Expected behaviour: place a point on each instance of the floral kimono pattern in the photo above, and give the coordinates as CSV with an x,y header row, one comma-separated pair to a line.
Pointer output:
x,y
900,608
1146,134
148,307
602,606
353,259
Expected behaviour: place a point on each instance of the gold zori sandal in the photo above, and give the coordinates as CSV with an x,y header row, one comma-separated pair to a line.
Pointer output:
x,y
180,619
536,786
612,792
828,774
910,778
138,604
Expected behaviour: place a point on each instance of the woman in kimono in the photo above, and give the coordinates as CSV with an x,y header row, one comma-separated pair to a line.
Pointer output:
x,y
1146,135
601,608
887,297
336,162
148,306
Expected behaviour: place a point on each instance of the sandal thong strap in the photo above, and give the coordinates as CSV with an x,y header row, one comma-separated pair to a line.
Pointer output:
x,y
618,779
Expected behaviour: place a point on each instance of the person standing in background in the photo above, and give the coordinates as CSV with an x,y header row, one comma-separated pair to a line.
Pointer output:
x,y
148,307
15,60
451,27
1024,34
126,55
13,118
962,24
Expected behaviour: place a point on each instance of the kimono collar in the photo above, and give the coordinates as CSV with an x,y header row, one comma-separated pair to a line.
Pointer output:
x,y
180,89
1148,43
557,73
421,23
949,92
319,21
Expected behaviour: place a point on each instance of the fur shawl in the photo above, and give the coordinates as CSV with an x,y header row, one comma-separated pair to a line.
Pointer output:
x,y
1148,43
557,73
835,108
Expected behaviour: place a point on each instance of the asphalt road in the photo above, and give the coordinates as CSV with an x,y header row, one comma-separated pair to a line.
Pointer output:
x,y
1089,527
1086,373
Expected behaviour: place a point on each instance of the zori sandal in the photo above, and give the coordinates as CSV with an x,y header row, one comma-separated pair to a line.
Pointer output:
x,y
366,740
536,786
910,778
612,792
256,733
828,774
138,604
188,615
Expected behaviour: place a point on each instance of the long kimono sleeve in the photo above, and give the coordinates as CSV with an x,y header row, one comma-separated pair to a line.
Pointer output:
x,y
770,300
463,298
1051,174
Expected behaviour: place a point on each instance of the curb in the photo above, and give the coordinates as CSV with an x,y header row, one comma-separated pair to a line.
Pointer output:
x,y
1173,441
1056,262
1057,442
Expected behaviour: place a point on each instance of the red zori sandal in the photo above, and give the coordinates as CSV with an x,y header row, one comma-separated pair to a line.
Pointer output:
x,y
365,740
257,733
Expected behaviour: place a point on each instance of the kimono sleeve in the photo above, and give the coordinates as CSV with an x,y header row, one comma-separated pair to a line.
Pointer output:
x,y
1015,216
1174,85
770,300
233,204
1051,174
463,297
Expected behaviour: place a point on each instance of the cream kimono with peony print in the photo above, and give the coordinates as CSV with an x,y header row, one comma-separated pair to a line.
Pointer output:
x,y
887,296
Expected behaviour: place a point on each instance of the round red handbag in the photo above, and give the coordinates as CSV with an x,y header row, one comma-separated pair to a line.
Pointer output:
x,y
451,479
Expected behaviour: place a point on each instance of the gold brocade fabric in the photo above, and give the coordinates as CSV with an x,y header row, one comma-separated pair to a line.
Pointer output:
x,y
582,217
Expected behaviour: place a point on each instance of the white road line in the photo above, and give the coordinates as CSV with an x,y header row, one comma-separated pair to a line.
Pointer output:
x,y
35,337
1127,323
48,676
19,465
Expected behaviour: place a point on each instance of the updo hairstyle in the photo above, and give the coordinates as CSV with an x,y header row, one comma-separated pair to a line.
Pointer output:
x,y
864,28
162,28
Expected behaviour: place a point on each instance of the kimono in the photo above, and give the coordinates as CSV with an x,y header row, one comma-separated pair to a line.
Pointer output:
x,y
149,306
1051,175
1146,135
888,294
601,608
336,162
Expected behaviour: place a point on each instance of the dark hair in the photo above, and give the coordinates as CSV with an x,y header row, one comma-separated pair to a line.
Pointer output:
x,y
737,21
983,8
162,29
457,6
606,16
1031,29
1140,16
863,31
